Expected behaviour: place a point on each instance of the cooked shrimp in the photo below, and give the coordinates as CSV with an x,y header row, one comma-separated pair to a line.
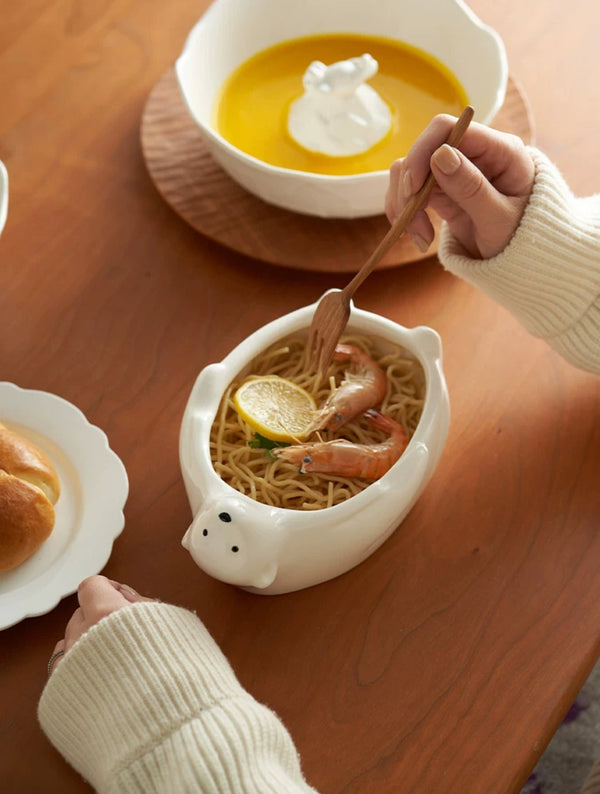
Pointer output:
x,y
363,387
367,461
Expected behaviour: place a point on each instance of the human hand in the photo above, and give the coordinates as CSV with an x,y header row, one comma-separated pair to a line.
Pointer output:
x,y
481,190
98,597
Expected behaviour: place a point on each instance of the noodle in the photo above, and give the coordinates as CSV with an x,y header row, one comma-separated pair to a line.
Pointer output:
x,y
277,482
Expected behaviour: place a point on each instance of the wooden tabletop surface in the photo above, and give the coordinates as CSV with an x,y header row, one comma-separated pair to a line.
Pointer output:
x,y
445,661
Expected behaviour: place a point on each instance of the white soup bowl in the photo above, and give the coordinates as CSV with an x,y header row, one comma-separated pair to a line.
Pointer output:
x,y
231,31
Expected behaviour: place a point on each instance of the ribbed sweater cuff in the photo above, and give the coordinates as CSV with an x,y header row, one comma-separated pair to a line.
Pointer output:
x,y
146,702
548,275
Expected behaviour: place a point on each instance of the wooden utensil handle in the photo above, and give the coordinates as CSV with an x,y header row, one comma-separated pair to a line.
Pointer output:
x,y
414,204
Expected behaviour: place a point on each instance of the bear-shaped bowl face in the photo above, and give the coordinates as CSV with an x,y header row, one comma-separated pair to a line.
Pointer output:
x,y
233,31
270,550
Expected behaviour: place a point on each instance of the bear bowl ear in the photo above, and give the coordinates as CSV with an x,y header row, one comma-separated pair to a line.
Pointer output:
x,y
188,538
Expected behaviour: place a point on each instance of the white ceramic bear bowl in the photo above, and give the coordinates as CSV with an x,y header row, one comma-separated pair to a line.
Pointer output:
x,y
231,31
274,550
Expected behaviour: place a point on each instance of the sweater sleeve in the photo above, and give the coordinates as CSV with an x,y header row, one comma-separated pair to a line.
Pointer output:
x,y
548,276
146,703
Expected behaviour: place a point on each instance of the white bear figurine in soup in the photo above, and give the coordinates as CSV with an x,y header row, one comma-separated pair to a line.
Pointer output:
x,y
271,550
338,114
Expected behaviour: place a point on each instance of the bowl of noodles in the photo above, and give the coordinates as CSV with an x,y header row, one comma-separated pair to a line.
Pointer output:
x,y
263,518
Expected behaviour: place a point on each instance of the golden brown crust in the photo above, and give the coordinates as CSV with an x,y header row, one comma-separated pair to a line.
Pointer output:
x,y
26,520
29,486
18,456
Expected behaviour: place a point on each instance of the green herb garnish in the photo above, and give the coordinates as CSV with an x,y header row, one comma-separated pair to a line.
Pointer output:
x,y
260,442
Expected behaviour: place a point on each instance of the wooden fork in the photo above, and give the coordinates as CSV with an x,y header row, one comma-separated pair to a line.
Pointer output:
x,y
332,314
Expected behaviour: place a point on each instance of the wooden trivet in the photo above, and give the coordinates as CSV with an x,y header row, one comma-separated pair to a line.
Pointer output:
x,y
198,189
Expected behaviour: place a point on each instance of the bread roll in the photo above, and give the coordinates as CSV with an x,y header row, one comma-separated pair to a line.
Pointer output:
x,y
29,488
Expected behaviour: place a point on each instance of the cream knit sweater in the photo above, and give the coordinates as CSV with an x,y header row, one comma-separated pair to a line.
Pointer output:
x,y
145,702
548,276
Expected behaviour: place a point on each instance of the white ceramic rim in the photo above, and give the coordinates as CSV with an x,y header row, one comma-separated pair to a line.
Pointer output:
x,y
196,447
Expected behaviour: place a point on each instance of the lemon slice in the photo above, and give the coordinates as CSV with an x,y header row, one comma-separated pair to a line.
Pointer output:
x,y
275,407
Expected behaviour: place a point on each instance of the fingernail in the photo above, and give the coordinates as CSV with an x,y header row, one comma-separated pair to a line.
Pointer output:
x,y
420,242
407,184
128,592
447,160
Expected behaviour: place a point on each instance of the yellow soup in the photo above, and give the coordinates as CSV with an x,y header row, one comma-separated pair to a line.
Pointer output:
x,y
252,108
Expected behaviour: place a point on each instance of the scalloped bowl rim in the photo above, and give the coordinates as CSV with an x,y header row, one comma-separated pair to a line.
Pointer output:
x,y
94,484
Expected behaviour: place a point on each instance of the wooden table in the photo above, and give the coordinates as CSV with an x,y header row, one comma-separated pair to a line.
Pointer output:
x,y
445,662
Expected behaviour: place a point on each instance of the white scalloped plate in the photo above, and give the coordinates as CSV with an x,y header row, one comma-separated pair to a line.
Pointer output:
x,y
89,511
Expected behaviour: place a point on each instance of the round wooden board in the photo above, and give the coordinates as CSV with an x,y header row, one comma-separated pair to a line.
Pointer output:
x,y
198,189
